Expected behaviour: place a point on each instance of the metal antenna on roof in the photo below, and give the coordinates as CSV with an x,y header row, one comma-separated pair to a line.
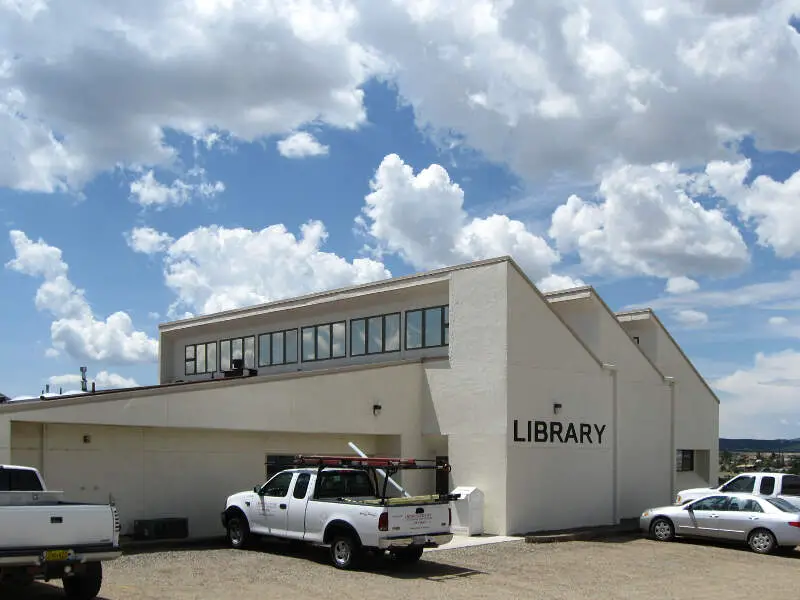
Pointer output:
x,y
83,379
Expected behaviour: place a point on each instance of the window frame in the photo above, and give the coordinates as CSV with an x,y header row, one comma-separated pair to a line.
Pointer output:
x,y
444,324
315,328
366,321
230,341
193,360
271,334
681,460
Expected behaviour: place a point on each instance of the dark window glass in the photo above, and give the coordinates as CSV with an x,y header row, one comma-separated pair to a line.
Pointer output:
x,y
684,460
791,485
19,480
250,352
743,484
344,484
391,338
309,352
225,355
433,327
264,358
339,340
767,486
301,486
291,346
414,329
277,348
278,486
323,342
375,329
782,504
201,358
712,503
358,333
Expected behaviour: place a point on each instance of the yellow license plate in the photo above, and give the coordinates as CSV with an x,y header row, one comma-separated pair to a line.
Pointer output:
x,y
56,555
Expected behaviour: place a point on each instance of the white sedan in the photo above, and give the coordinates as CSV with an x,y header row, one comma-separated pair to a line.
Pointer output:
x,y
764,523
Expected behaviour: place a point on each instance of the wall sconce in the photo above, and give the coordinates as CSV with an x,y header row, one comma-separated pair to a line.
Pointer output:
x,y
556,408
376,409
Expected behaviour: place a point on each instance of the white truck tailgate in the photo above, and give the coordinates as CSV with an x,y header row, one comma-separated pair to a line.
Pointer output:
x,y
63,525
419,520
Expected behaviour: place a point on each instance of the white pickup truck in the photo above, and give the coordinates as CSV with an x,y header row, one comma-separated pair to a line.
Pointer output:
x,y
782,485
334,501
43,537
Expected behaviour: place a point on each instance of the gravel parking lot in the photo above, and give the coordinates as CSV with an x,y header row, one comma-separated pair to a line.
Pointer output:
x,y
631,568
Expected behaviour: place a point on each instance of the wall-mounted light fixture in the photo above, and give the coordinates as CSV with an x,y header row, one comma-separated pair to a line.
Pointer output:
x,y
556,408
376,409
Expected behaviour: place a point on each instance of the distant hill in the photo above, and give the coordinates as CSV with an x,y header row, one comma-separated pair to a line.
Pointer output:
x,y
747,445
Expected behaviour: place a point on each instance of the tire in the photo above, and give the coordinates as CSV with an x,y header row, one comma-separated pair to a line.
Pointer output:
x,y
662,529
86,584
345,551
762,541
238,531
409,556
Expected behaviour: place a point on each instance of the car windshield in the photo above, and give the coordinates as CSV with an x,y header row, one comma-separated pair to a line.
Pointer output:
x,y
784,505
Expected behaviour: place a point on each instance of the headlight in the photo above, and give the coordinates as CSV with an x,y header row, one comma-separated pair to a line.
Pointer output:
x,y
645,513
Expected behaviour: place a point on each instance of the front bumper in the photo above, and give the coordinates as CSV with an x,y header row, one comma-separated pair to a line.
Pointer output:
x,y
432,540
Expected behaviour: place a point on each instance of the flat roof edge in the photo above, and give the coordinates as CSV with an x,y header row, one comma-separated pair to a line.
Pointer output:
x,y
378,284
201,384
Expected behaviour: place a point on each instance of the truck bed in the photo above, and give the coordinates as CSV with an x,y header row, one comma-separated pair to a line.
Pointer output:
x,y
56,525
399,501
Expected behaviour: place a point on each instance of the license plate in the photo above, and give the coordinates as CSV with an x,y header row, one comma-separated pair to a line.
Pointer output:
x,y
56,555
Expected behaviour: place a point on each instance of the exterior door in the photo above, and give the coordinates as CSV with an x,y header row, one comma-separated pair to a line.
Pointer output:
x,y
704,518
273,503
297,502
740,517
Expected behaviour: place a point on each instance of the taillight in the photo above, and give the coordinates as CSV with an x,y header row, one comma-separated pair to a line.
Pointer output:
x,y
794,523
383,522
449,516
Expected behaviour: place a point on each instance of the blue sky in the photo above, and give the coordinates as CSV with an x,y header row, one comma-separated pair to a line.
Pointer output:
x,y
641,152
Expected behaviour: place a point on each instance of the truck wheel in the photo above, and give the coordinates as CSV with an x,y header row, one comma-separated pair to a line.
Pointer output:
x,y
86,584
345,551
409,555
238,531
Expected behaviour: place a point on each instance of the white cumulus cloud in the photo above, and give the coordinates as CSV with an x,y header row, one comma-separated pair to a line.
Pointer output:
x,y
421,218
76,331
147,240
217,268
301,145
647,221
691,318
681,285
148,192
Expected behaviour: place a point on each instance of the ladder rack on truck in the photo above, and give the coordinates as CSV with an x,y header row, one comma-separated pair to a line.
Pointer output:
x,y
389,465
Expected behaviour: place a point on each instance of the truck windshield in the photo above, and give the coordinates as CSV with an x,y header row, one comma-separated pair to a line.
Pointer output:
x,y
19,480
343,484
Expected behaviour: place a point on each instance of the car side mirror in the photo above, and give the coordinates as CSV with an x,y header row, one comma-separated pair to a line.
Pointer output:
x,y
257,489
690,508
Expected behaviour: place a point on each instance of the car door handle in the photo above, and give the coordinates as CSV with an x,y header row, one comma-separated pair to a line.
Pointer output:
x,y
283,506
753,518
714,516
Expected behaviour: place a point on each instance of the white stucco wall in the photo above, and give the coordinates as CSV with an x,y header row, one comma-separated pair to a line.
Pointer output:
x,y
554,485
645,456
696,409
161,472
468,395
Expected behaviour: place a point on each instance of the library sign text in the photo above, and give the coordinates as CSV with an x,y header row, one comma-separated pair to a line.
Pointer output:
x,y
557,432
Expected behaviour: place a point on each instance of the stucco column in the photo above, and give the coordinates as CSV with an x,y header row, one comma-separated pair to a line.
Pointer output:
x,y
5,441
416,482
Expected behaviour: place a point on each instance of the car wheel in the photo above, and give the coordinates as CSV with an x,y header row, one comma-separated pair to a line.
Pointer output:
x,y
762,541
662,529
345,552
238,531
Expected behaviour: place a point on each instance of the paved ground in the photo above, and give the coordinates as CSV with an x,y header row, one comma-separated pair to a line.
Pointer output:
x,y
632,569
